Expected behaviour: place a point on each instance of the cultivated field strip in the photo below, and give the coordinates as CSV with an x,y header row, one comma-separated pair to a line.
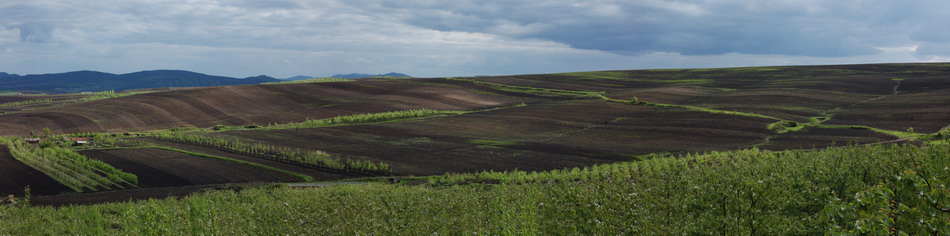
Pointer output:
x,y
15,177
243,105
70,168
156,163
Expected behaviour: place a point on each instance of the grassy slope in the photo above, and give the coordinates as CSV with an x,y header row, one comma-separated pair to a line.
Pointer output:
x,y
741,192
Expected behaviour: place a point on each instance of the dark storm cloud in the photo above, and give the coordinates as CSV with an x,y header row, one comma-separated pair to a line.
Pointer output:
x,y
809,28
431,38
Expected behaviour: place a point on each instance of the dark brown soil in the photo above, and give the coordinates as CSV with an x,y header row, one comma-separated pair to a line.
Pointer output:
x,y
151,165
536,137
924,112
148,176
318,175
239,105
821,137
15,176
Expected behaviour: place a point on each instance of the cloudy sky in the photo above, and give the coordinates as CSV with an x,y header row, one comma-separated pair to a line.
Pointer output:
x,y
284,38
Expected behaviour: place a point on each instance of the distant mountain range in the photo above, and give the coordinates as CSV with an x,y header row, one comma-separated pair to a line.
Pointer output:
x,y
90,81
350,76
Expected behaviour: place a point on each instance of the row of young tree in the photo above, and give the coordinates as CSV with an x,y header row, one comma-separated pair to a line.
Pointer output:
x,y
286,154
25,102
70,168
109,94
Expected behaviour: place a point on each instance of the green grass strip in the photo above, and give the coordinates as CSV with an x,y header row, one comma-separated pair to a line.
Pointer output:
x,y
591,94
545,92
311,81
357,119
785,126
693,108
24,103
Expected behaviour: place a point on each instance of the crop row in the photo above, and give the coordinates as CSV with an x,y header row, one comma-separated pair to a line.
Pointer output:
x,y
286,154
70,168
546,92
23,103
109,94
371,118
311,80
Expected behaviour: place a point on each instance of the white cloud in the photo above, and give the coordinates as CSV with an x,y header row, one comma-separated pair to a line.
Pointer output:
x,y
465,37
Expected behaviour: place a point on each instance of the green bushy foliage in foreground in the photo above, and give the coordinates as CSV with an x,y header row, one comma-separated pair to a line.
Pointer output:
x,y
873,190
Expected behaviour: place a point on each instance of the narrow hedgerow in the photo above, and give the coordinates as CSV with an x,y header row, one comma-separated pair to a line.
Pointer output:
x,y
312,80
368,118
293,155
109,94
25,102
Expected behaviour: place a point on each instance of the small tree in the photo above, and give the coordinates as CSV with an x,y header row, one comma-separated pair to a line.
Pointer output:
x,y
635,100
47,132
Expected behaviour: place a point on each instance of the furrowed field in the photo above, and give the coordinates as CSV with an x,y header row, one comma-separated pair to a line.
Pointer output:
x,y
803,150
882,189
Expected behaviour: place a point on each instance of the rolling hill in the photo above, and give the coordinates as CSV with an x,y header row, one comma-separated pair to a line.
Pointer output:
x,y
785,150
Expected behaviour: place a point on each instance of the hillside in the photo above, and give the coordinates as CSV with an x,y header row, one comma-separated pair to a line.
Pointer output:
x,y
540,122
240,105
549,136
91,81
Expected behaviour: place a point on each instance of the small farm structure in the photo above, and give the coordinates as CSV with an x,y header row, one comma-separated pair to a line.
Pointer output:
x,y
81,141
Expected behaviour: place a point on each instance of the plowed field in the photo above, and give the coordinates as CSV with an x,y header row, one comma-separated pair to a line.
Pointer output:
x,y
240,105
161,168
15,176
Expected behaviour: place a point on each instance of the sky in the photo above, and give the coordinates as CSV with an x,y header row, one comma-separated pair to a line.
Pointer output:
x,y
430,38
